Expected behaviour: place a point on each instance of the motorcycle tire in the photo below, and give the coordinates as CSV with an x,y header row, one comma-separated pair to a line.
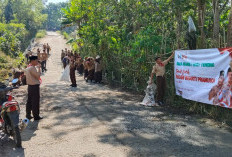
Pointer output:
x,y
17,137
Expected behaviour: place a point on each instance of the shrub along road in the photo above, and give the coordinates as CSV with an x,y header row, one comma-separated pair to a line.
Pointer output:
x,y
93,120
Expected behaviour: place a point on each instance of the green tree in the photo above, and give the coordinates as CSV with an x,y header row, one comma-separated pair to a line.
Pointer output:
x,y
8,12
53,10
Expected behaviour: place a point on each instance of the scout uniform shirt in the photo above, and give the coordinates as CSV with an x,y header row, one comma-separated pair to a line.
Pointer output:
x,y
98,67
32,76
159,69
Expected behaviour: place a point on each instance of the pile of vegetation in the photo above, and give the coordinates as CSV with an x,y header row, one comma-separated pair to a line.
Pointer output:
x,y
129,34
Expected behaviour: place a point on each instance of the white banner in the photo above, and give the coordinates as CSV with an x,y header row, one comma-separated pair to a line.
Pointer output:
x,y
204,76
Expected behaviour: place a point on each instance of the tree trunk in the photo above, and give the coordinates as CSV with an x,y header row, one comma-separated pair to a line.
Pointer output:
x,y
229,33
201,21
179,28
216,24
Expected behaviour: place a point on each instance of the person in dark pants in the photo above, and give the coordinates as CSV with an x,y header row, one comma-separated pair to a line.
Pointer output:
x,y
85,68
98,70
72,72
91,69
159,71
44,57
32,78
48,48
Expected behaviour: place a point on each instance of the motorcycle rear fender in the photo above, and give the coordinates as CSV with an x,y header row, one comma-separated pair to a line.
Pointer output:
x,y
14,117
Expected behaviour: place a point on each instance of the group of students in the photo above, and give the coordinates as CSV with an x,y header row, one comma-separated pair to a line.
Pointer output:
x,y
90,67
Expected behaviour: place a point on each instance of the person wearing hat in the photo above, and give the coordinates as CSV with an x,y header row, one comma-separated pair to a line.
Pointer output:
x,y
98,70
159,71
33,73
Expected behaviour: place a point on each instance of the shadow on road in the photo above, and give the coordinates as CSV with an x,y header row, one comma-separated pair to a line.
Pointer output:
x,y
29,132
147,131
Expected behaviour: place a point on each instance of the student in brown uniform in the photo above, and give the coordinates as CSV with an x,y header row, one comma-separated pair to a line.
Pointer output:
x,y
98,70
159,71
91,69
69,53
38,52
80,67
44,61
72,72
48,48
62,55
32,79
44,47
75,55
85,68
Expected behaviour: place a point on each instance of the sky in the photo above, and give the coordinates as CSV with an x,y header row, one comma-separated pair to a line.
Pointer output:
x,y
56,1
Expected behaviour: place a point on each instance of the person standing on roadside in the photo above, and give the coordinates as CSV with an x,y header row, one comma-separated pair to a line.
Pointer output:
x,y
44,57
48,49
98,70
159,71
33,73
72,72
91,69
38,52
44,47
85,68
62,55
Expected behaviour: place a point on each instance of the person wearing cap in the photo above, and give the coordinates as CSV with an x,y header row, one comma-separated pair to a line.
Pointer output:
x,y
159,71
33,73
98,70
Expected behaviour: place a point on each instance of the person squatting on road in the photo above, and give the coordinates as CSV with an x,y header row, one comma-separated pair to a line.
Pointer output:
x,y
33,73
159,71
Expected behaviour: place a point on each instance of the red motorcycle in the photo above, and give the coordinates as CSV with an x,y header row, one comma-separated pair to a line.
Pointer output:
x,y
10,110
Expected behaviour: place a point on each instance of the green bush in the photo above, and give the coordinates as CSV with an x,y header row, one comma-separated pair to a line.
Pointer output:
x,y
40,34
66,36
7,63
